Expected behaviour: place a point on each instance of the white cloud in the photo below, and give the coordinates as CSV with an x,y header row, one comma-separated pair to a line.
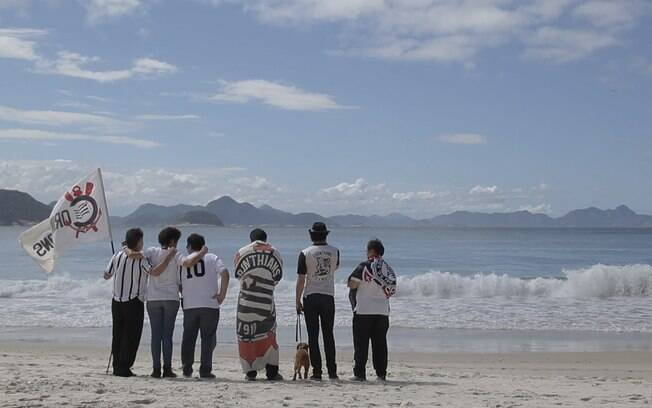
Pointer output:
x,y
54,118
150,66
73,65
106,9
548,9
18,43
47,136
449,30
564,45
537,209
419,195
609,13
462,138
483,190
358,188
360,196
128,188
161,117
275,94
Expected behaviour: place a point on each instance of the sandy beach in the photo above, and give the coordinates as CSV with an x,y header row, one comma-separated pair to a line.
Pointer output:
x,y
41,374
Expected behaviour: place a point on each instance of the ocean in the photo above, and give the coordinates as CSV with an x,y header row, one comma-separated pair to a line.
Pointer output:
x,y
524,289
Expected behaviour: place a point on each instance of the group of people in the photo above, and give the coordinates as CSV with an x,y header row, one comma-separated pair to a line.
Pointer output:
x,y
162,279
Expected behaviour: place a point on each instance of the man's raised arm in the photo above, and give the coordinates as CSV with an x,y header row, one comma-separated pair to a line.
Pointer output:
x,y
160,268
192,259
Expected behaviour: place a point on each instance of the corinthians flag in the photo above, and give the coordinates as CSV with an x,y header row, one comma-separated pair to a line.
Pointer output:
x,y
80,216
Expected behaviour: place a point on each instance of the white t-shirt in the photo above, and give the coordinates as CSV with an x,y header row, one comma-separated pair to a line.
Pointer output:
x,y
319,265
200,283
166,285
377,284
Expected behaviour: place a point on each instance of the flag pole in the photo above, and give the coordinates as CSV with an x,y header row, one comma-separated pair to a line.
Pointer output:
x,y
106,208
108,221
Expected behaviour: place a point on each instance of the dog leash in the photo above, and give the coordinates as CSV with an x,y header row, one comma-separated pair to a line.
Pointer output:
x,y
298,331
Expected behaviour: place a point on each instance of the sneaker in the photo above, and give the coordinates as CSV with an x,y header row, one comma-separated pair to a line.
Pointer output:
x,y
381,378
156,373
333,377
277,377
357,379
168,373
251,376
315,377
187,372
209,376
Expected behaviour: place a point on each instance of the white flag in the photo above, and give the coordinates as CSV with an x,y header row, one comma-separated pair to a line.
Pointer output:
x,y
39,244
79,216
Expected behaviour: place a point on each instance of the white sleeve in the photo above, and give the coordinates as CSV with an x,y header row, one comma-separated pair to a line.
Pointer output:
x,y
109,268
149,253
219,265
178,259
145,266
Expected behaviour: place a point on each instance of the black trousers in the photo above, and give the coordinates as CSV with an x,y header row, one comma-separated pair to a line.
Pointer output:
x,y
366,328
320,308
202,320
127,329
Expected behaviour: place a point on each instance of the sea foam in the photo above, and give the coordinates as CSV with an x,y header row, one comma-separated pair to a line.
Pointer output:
x,y
598,298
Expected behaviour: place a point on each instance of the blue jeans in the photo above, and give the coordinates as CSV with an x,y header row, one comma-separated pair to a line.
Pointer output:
x,y
162,315
202,321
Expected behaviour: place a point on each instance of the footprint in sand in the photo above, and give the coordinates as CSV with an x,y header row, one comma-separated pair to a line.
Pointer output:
x,y
144,401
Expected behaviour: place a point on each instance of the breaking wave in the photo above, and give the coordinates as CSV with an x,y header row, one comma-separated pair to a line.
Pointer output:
x,y
598,281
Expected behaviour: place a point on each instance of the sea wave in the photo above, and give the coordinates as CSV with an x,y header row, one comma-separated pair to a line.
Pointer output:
x,y
597,281
598,298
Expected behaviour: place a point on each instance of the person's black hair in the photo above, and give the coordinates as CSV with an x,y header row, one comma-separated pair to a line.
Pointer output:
x,y
258,235
318,236
168,235
133,237
377,246
196,242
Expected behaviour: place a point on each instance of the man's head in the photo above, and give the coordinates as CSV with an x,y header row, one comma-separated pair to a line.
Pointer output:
x,y
375,248
318,232
258,235
195,242
134,239
168,237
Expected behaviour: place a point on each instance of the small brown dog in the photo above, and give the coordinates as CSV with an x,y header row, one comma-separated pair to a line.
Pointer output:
x,y
301,360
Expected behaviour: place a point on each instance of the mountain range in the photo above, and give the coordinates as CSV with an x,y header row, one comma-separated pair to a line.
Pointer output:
x,y
20,208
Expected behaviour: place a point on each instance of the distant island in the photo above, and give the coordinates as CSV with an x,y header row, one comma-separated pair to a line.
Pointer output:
x,y
19,208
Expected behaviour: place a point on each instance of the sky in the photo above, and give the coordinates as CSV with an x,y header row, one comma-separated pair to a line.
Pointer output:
x,y
421,107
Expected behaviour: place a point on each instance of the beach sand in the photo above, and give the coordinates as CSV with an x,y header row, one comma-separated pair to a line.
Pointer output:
x,y
42,374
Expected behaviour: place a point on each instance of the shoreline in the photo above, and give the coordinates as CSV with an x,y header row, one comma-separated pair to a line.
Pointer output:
x,y
400,340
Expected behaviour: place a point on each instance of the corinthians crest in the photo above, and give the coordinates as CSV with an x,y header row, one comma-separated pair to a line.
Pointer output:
x,y
84,212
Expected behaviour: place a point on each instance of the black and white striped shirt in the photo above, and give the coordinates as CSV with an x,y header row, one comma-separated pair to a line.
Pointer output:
x,y
129,277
